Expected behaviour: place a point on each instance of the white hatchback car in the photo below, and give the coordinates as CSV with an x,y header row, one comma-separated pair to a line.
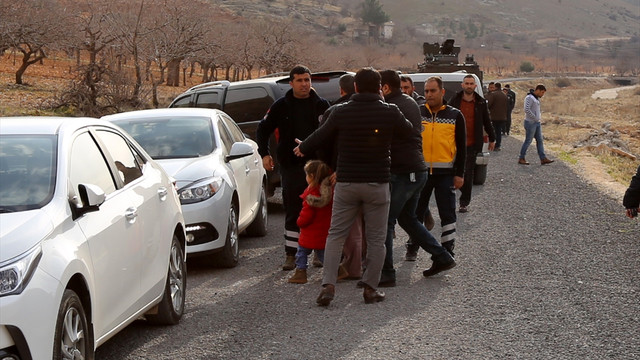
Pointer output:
x,y
91,237
219,173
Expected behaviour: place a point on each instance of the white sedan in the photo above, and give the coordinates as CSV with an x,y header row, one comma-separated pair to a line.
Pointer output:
x,y
219,173
91,237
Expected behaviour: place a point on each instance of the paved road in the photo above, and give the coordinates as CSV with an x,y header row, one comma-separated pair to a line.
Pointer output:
x,y
548,269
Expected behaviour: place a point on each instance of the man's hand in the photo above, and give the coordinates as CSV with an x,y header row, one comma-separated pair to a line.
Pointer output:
x,y
267,163
296,150
492,145
458,182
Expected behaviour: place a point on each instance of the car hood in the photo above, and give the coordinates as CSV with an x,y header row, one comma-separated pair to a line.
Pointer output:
x,y
20,231
186,171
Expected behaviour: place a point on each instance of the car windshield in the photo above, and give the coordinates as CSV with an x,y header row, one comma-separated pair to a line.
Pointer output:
x,y
176,137
27,171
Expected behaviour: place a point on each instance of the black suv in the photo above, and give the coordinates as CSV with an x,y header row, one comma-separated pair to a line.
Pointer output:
x,y
248,101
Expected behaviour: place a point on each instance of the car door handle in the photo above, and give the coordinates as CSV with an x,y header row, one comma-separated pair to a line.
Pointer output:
x,y
162,193
131,214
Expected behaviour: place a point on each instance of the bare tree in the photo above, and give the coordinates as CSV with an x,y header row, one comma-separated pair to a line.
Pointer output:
x,y
31,27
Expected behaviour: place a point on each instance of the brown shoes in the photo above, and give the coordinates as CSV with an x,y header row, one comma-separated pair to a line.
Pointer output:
x,y
372,295
546,161
326,295
299,277
522,161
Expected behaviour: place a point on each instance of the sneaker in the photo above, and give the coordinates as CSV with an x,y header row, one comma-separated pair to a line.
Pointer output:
x,y
289,263
449,245
546,161
438,268
463,209
522,161
496,149
299,277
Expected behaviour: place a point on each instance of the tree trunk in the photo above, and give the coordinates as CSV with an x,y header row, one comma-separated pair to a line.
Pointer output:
x,y
173,72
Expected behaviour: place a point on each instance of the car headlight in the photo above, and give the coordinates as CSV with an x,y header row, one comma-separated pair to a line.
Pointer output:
x,y
15,276
200,191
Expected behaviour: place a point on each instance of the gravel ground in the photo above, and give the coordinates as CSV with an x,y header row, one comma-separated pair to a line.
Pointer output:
x,y
547,269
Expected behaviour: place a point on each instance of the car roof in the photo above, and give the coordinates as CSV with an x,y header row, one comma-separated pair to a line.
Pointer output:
x,y
45,125
164,112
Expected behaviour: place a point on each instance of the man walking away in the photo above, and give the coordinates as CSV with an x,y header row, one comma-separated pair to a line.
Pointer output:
x,y
295,115
511,96
532,126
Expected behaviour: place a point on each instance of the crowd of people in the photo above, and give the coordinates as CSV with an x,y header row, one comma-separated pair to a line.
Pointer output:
x,y
353,169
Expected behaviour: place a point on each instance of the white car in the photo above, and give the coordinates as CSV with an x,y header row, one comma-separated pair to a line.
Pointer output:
x,y
91,237
219,173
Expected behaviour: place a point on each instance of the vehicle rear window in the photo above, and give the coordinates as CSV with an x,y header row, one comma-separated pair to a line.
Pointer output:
x,y
177,137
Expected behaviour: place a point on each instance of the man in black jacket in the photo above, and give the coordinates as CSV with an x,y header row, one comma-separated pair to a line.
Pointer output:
x,y
631,200
476,116
295,116
408,177
363,129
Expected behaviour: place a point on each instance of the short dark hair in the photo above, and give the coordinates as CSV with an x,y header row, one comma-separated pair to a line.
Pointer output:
x,y
368,80
298,70
404,78
497,85
437,79
541,87
391,78
508,86
346,83
469,76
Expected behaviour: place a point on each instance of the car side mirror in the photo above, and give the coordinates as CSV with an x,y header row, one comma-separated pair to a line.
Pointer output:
x,y
91,197
239,150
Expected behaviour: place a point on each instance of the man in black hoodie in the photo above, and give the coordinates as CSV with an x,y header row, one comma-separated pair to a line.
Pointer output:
x,y
476,116
408,177
295,116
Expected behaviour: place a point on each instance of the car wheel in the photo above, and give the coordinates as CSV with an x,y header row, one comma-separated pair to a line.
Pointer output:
x,y
480,175
259,225
230,253
72,339
171,307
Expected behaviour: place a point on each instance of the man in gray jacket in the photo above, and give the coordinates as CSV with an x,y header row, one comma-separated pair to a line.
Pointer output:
x,y
532,126
363,129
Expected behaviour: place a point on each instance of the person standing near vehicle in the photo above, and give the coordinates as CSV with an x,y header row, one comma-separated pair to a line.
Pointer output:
x,y
511,104
444,140
497,102
295,115
532,125
406,84
476,116
631,200
408,176
363,129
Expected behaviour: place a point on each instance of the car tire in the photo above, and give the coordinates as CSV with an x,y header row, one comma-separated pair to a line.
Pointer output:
x,y
230,253
171,307
259,225
73,338
480,175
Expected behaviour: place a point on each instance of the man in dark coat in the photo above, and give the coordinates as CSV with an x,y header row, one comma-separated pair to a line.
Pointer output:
x,y
631,200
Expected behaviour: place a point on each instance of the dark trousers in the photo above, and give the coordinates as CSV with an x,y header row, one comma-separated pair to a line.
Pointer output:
x,y
445,194
498,126
469,173
507,126
293,180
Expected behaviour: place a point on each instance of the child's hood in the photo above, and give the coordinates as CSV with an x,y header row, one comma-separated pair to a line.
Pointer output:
x,y
326,195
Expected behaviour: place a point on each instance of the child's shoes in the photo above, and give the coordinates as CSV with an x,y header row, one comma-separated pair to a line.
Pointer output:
x,y
299,277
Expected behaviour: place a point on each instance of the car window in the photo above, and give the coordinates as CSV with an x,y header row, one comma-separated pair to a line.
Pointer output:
x,y
124,159
227,139
27,171
247,104
175,137
87,165
184,101
210,100
234,131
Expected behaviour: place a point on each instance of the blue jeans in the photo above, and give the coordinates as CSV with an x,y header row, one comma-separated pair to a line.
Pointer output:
x,y
302,256
533,130
404,200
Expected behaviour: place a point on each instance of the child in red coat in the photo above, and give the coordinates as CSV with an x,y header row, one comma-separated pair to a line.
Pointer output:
x,y
315,217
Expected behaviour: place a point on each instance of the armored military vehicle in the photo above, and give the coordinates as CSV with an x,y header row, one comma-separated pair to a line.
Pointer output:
x,y
444,59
